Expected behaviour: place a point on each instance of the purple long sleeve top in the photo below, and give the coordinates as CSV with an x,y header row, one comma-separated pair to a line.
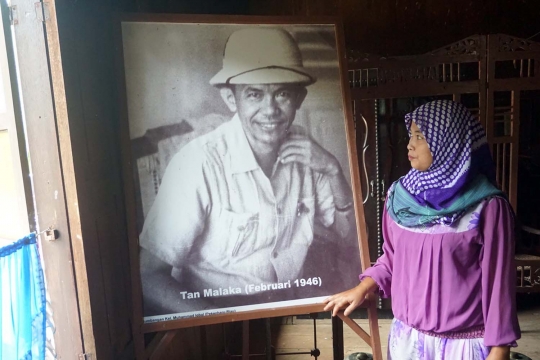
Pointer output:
x,y
453,278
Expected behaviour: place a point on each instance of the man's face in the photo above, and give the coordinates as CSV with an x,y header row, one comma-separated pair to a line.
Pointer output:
x,y
266,111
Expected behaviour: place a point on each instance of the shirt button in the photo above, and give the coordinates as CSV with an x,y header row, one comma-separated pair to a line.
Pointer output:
x,y
241,228
275,254
279,210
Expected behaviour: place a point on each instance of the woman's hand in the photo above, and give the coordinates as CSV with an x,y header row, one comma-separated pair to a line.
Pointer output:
x,y
350,299
499,353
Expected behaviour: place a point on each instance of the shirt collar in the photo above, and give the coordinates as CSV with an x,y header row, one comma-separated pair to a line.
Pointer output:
x,y
242,158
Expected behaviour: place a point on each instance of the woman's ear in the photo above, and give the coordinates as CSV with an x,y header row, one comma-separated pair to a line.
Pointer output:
x,y
227,94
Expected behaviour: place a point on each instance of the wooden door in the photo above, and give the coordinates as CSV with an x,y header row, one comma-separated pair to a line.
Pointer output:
x,y
34,107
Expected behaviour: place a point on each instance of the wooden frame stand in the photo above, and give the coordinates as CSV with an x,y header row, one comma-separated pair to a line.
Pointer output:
x,y
301,300
158,345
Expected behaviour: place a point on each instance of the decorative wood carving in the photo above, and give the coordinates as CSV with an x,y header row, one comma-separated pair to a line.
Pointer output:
x,y
428,74
358,56
507,43
467,46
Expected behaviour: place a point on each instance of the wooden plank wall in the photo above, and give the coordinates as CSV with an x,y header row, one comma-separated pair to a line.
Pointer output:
x,y
396,27
87,52
408,27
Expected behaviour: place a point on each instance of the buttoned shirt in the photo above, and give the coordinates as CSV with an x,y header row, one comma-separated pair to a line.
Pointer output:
x,y
220,221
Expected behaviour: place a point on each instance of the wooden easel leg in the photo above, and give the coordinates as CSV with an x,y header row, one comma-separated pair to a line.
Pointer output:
x,y
138,340
373,339
374,330
337,338
162,344
245,340
152,345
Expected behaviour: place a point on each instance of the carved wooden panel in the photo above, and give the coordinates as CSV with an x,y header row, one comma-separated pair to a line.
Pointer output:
x,y
364,113
385,89
509,65
528,273
469,46
507,43
456,68
512,67
488,75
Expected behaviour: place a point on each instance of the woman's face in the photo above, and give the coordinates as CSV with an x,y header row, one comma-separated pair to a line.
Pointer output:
x,y
419,154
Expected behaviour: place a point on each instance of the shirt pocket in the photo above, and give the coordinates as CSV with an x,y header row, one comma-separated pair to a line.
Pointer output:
x,y
305,210
303,216
240,232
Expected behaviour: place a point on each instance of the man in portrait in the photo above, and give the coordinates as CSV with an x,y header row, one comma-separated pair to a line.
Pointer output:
x,y
239,206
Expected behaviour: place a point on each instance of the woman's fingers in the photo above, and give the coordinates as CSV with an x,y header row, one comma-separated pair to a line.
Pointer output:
x,y
336,305
353,305
348,300
336,310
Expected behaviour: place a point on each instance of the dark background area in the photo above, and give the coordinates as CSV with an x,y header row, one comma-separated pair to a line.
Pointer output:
x,y
383,27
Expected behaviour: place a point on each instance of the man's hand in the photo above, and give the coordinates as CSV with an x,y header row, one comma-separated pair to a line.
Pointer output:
x,y
499,353
305,150
350,299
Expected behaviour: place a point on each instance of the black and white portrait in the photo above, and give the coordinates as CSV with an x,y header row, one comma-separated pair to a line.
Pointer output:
x,y
241,166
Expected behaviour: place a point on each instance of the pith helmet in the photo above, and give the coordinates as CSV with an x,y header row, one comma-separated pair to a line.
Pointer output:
x,y
262,56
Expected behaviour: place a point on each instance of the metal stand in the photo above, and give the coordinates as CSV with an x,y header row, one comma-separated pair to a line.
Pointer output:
x,y
337,338
270,353
315,351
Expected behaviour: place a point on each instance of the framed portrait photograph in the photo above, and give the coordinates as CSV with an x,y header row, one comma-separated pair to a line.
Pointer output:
x,y
241,164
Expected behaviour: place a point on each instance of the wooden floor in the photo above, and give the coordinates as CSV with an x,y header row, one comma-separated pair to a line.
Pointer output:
x,y
296,335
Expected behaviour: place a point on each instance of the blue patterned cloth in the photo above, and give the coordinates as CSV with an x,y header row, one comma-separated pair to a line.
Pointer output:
x,y
406,211
22,301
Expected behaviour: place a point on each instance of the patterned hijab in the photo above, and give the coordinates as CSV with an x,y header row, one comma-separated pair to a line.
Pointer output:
x,y
462,172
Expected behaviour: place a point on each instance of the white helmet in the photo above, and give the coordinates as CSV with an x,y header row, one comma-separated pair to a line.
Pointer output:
x,y
262,55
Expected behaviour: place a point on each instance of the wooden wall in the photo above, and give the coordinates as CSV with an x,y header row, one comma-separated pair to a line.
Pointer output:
x,y
88,64
396,27
408,27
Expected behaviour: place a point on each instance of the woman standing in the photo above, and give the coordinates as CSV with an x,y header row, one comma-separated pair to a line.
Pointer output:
x,y
448,258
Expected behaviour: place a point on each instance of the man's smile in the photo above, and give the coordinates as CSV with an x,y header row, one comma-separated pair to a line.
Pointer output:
x,y
270,125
